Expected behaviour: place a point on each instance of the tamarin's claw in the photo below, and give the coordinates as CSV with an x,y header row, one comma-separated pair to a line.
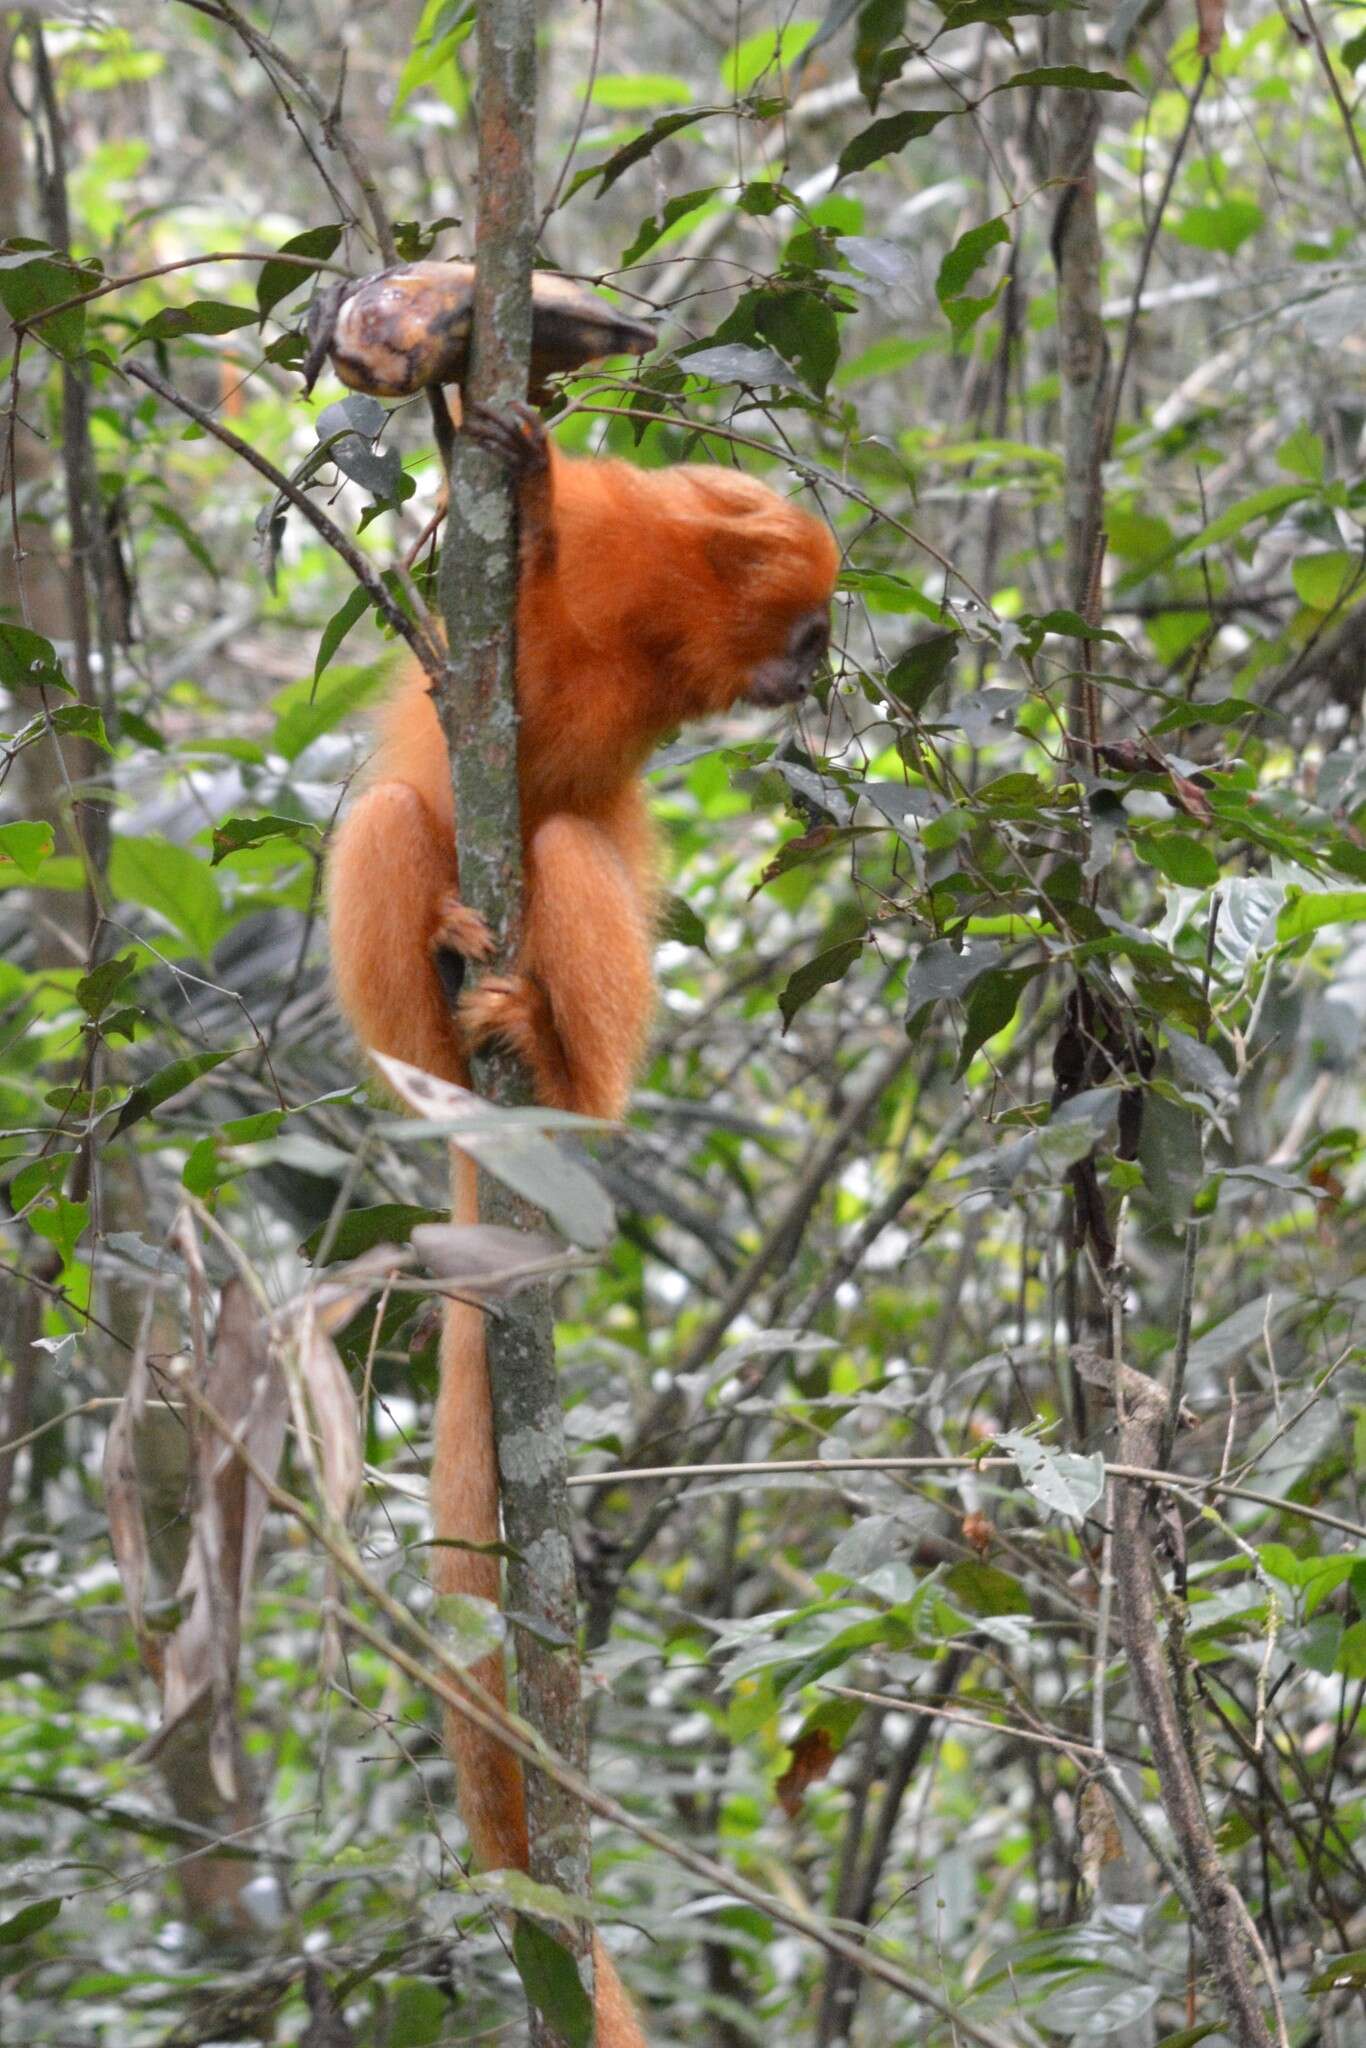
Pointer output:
x,y
514,433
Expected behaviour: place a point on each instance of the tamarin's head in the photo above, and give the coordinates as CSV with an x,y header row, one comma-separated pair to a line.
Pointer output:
x,y
760,621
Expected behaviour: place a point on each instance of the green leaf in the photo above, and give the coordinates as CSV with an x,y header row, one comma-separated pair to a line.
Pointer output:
x,y
885,138
813,975
172,881
61,1222
179,1074
305,710
340,623
96,991
236,833
635,151
968,253
28,1920
804,330
1066,78
550,1978
278,280
1307,910
1070,626
1353,52
680,924
444,26
915,675
1225,225
990,1008
743,66
985,1588
26,845
966,256
417,2013
202,316
633,91
360,1230
1303,455
29,662
37,1178
1183,860
28,284
1351,1657
1326,580
87,723
1347,1971
674,210
1274,498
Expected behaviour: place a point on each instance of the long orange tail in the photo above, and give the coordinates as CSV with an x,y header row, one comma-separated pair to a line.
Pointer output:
x,y
465,1511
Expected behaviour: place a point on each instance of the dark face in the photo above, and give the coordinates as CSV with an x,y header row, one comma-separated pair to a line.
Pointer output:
x,y
783,678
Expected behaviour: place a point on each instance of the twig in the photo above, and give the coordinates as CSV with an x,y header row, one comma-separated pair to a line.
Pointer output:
x,y
442,1674
1326,62
1145,259
334,134
414,630
957,1714
584,105
1147,1475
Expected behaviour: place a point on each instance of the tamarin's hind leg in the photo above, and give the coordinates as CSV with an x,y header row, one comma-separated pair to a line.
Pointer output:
x,y
578,1010
394,914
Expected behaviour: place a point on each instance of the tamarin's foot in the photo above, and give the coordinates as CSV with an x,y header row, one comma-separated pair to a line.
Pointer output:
x,y
461,934
513,1010
461,930
514,433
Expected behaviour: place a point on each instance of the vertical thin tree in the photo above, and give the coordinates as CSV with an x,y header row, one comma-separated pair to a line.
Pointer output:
x,y
478,711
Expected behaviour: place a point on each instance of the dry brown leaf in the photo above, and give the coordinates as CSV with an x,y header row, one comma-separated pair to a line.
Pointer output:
x,y
1101,1841
1210,16
239,1380
489,1260
123,1505
812,1756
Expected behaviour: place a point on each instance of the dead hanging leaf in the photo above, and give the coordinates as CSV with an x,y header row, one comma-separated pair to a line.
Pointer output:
x,y
1210,16
1191,798
336,1418
812,1756
239,1381
123,1505
489,1261
1101,1841
344,1289
508,1144
978,1533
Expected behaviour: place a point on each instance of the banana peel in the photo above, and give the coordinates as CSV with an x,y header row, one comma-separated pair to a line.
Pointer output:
x,y
408,328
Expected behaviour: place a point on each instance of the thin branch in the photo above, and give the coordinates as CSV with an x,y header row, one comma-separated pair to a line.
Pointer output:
x,y
334,134
1147,1475
1145,259
433,1666
414,630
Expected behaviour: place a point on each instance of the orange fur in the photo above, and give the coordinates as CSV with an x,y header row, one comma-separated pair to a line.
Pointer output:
x,y
646,598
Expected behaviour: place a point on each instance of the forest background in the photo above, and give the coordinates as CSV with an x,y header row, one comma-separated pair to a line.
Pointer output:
x,y
1004,1120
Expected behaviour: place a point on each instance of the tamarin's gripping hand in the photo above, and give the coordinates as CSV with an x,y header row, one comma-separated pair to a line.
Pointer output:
x,y
645,598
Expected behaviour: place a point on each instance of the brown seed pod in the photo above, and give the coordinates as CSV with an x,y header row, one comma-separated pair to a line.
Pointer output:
x,y
407,328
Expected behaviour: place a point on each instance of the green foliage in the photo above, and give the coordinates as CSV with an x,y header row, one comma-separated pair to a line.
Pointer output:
x,y
1052,894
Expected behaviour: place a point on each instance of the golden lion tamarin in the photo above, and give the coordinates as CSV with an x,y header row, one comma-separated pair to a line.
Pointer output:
x,y
646,598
